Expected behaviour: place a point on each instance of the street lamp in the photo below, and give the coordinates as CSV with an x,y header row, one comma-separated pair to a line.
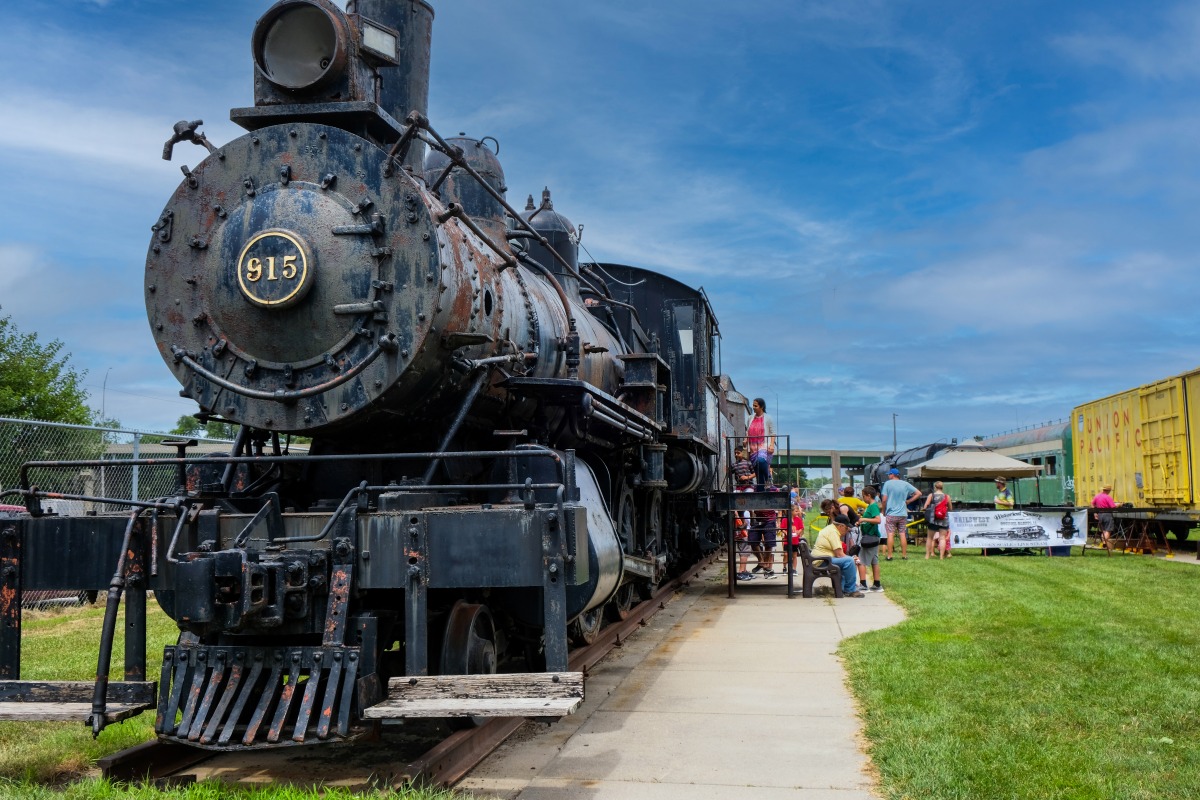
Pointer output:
x,y
894,415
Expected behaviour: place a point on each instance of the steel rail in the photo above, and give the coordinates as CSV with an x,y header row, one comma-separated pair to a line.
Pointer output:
x,y
151,761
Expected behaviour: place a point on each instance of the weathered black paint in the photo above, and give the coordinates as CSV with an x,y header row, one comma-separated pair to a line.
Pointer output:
x,y
448,368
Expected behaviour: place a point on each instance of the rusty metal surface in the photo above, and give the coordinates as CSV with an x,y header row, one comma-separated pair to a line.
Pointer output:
x,y
361,246
267,218
256,697
10,601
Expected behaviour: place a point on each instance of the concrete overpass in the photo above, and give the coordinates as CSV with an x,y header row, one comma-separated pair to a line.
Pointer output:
x,y
849,460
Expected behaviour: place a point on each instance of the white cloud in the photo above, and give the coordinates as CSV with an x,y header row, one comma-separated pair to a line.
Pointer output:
x,y
1169,54
101,136
18,263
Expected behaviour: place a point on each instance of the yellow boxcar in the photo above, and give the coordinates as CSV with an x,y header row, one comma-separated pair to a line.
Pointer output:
x,y
1141,442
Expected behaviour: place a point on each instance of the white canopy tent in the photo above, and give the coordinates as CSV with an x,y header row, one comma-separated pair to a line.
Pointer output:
x,y
972,461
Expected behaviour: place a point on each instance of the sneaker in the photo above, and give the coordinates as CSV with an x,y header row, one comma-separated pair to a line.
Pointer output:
x,y
856,594
768,573
745,576
759,568
862,587
878,587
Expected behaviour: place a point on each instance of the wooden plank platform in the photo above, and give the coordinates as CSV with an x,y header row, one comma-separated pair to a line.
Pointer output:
x,y
119,692
66,712
522,694
71,701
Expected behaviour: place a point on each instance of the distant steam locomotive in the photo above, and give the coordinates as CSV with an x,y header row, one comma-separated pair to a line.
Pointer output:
x,y
507,445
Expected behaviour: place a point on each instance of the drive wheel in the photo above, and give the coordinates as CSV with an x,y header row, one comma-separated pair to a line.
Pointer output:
x,y
622,603
652,545
585,628
469,648
625,521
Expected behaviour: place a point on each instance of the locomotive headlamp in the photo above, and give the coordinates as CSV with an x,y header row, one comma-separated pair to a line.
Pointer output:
x,y
300,45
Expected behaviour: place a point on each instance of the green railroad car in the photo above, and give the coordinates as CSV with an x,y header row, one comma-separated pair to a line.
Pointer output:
x,y
1048,445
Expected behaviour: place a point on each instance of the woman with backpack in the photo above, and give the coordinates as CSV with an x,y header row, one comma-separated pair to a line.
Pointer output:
x,y
937,520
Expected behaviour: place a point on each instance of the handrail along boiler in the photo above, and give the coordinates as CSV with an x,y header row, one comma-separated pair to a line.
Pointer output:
x,y
507,445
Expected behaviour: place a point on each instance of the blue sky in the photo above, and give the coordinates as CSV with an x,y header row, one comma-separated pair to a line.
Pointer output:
x,y
972,215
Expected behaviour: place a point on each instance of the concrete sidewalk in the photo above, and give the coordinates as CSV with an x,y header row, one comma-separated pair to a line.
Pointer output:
x,y
715,699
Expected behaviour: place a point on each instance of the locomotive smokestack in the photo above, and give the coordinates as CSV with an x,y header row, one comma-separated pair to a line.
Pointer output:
x,y
405,87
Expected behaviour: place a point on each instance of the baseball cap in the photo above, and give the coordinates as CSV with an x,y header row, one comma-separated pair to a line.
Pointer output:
x,y
893,471
841,519
1001,479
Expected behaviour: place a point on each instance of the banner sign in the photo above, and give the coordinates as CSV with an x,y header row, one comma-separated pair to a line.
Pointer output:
x,y
998,529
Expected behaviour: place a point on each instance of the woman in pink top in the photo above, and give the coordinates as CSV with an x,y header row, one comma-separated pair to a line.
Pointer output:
x,y
1103,503
760,436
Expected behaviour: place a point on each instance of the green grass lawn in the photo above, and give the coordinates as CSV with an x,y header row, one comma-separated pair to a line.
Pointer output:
x,y
63,645
1034,677
51,760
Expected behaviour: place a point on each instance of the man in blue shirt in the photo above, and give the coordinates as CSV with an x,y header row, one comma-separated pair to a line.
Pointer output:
x,y
896,495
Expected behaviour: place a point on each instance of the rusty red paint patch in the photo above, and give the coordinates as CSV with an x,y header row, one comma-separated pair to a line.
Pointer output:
x,y
8,599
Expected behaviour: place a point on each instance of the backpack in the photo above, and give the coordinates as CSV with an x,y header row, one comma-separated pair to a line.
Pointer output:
x,y
851,543
942,508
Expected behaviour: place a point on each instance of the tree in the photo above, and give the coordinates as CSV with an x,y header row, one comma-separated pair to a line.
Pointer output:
x,y
36,380
188,425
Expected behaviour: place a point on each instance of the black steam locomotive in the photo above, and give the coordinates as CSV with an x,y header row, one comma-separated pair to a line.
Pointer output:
x,y
507,445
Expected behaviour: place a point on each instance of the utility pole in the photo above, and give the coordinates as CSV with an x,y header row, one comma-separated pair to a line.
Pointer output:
x,y
778,426
104,393
894,415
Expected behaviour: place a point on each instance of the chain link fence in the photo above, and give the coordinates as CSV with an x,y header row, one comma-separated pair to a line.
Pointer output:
x,y
23,441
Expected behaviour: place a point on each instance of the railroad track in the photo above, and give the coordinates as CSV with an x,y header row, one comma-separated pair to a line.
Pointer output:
x,y
444,764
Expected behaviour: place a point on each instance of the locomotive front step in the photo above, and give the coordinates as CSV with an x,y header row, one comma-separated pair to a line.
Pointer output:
x,y
518,694
71,701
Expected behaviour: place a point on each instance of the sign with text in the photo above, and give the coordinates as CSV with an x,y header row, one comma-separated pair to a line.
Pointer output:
x,y
999,529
